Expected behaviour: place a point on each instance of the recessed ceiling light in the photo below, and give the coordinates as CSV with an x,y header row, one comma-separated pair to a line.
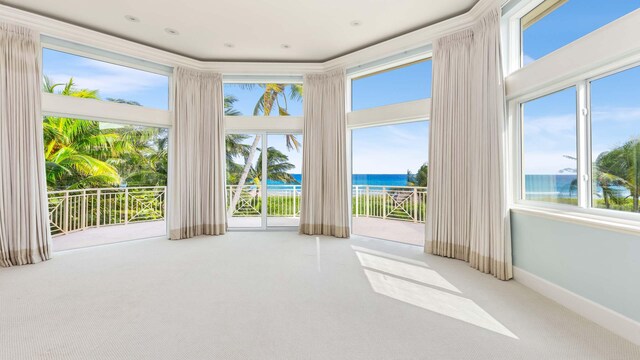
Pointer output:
x,y
132,18
171,31
229,45
356,23
285,46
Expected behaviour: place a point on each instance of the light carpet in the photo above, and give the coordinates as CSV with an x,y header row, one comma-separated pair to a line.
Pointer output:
x,y
279,295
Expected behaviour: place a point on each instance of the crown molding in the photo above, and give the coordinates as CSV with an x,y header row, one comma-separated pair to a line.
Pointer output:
x,y
397,45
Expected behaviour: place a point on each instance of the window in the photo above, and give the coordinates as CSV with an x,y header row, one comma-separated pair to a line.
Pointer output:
x,y
549,148
405,83
389,181
249,174
556,23
268,99
89,78
615,141
106,182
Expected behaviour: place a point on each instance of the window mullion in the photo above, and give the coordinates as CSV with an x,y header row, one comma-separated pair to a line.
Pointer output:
x,y
583,146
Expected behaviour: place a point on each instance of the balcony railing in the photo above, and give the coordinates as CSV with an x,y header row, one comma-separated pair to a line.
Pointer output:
x,y
407,203
75,210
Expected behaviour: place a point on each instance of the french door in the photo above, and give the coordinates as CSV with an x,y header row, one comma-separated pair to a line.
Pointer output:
x,y
263,187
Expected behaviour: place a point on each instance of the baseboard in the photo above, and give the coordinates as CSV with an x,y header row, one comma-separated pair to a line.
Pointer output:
x,y
603,316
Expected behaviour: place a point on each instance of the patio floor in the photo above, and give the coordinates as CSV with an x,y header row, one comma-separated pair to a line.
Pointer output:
x,y
109,235
394,230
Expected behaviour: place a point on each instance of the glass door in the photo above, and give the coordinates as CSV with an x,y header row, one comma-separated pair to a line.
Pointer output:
x,y
284,179
245,205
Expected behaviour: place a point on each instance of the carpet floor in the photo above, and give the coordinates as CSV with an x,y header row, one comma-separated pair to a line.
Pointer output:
x,y
279,295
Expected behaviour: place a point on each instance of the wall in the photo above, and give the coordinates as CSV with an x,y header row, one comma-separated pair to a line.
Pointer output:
x,y
600,265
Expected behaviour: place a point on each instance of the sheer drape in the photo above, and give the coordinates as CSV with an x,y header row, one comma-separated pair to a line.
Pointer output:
x,y
467,215
24,221
197,205
324,208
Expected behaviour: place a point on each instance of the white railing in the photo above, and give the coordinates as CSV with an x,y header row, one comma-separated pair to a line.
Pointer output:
x,y
282,200
407,203
75,210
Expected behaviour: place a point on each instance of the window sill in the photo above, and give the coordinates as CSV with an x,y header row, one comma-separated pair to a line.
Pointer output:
x,y
581,218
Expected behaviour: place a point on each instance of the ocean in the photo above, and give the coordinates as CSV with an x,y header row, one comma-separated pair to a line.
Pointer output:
x,y
362,179
536,186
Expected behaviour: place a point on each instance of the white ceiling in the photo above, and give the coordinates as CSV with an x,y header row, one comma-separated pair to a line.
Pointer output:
x,y
315,30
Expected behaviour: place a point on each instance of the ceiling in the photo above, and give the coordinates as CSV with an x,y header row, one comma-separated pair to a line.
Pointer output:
x,y
253,30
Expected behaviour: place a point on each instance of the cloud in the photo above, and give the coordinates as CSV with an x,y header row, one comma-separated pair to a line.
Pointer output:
x,y
109,79
617,114
547,162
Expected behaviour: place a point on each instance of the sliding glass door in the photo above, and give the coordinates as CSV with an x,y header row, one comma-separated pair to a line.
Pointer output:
x,y
263,191
284,179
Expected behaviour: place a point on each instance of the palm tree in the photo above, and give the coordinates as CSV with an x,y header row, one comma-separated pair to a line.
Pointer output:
x,y
420,178
75,149
273,95
620,167
278,166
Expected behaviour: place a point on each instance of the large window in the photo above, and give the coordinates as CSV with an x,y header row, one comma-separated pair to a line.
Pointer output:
x,y
390,170
267,99
555,23
589,158
101,80
549,148
405,83
250,172
615,140
106,182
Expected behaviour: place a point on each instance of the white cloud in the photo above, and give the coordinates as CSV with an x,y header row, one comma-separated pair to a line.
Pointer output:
x,y
547,162
109,78
617,114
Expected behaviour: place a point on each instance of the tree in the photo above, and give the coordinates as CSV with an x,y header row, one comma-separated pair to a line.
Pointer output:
x,y
420,178
620,167
273,95
278,166
75,149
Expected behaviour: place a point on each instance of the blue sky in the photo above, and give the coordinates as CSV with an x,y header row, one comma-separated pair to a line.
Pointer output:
x,y
112,81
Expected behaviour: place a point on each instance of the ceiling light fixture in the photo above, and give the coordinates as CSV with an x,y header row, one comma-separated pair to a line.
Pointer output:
x,y
132,18
356,23
171,31
285,46
229,45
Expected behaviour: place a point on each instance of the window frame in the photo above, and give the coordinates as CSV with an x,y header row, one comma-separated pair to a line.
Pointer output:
x,y
584,210
399,113
106,111
267,124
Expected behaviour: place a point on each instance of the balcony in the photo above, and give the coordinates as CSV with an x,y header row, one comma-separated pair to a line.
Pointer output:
x,y
88,217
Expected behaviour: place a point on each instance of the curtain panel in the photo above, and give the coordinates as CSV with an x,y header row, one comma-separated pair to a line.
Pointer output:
x,y
197,198
324,207
467,213
25,237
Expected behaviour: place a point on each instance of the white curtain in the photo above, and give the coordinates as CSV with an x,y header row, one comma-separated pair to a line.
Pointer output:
x,y
197,199
24,221
324,208
467,213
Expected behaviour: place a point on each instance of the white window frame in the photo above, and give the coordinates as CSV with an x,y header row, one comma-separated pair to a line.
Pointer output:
x,y
399,113
111,112
268,124
584,211
572,65
100,110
